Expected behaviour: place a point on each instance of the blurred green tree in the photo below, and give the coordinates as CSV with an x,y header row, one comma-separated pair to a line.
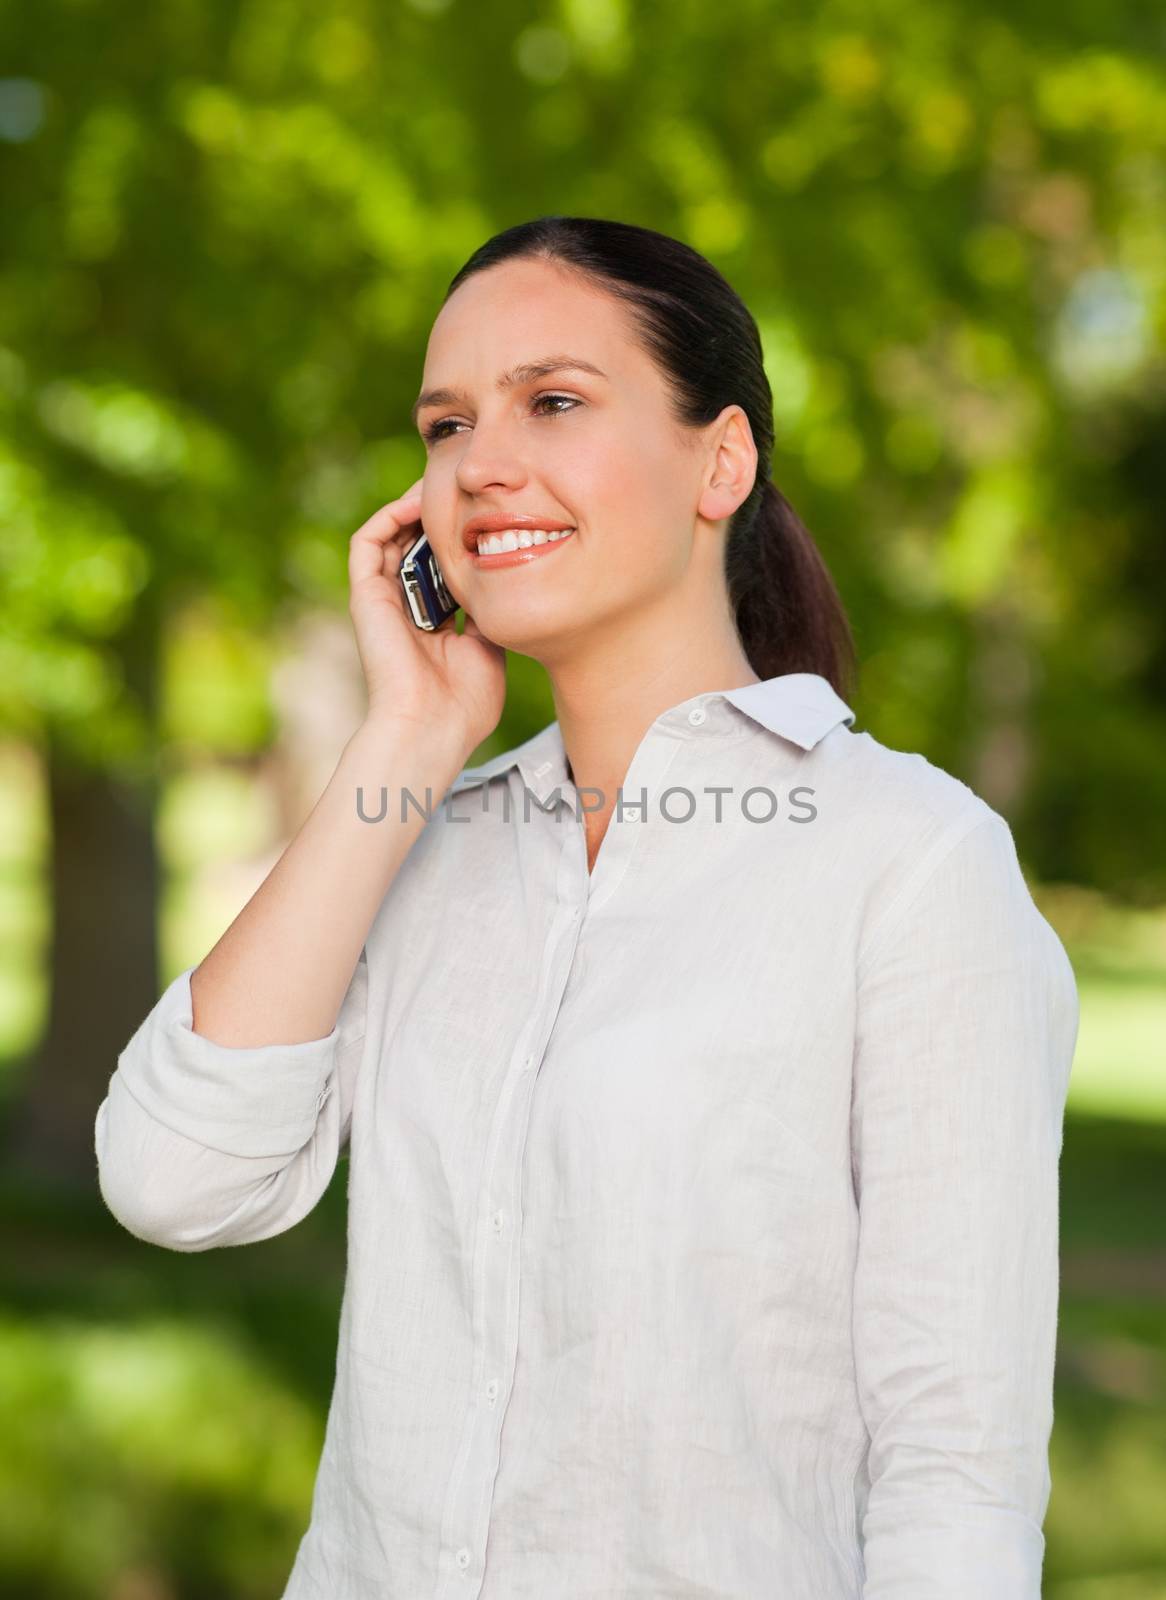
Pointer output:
x,y
228,230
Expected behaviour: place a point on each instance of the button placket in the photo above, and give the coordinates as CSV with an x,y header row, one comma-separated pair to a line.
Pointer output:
x,y
648,769
470,1490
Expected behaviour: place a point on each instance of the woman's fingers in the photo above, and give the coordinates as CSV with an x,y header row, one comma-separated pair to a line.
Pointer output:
x,y
377,547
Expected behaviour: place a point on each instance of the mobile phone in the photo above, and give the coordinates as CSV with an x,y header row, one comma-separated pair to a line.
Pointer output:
x,y
426,595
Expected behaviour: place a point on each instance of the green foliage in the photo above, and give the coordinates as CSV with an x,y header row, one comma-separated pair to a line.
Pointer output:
x,y
146,1448
223,252
227,231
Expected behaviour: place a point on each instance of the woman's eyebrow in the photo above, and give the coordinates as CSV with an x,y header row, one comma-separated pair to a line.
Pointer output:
x,y
527,372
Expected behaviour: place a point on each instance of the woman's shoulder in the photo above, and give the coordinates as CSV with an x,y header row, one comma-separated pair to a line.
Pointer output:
x,y
903,790
901,816
920,825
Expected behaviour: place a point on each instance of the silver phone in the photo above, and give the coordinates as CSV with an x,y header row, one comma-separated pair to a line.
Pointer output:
x,y
430,602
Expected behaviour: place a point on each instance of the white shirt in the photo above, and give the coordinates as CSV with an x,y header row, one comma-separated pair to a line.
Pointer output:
x,y
703,1211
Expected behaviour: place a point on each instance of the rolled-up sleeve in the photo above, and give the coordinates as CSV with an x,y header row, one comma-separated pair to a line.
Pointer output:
x,y
200,1144
965,1032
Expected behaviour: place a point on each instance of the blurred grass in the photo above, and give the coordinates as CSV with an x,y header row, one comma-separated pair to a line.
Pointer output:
x,y
164,1413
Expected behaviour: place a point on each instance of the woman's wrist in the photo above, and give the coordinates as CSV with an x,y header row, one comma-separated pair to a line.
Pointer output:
x,y
398,742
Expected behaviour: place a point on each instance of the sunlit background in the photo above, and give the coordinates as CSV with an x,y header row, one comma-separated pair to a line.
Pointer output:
x,y
227,229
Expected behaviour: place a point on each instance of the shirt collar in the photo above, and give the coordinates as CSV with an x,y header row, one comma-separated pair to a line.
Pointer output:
x,y
799,706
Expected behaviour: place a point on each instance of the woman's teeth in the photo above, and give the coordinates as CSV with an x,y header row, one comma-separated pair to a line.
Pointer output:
x,y
493,544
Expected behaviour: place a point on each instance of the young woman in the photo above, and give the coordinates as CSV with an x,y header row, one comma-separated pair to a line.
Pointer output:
x,y
700,1062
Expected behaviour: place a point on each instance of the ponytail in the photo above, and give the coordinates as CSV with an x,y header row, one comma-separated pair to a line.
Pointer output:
x,y
789,615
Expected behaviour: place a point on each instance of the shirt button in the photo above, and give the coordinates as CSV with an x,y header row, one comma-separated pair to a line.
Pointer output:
x,y
492,1390
498,1219
696,716
528,1063
463,1558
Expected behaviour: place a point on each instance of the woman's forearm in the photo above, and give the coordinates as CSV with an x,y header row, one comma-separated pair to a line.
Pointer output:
x,y
281,970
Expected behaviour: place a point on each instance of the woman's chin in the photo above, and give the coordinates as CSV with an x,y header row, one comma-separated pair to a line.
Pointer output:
x,y
525,626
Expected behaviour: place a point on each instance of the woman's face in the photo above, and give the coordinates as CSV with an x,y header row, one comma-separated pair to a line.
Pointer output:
x,y
604,456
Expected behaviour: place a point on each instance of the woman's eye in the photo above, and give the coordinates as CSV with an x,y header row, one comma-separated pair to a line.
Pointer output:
x,y
437,430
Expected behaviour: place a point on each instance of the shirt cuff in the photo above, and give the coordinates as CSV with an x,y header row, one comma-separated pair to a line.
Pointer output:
x,y
246,1101
922,1551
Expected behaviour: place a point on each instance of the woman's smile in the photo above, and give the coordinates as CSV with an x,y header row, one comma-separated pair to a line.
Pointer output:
x,y
511,551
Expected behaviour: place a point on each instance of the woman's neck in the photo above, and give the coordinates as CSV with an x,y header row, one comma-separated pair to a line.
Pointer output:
x,y
603,713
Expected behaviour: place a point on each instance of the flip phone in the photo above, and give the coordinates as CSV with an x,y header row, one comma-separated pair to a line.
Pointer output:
x,y
426,595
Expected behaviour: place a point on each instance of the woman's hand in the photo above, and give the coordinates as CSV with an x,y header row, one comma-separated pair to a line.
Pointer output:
x,y
438,679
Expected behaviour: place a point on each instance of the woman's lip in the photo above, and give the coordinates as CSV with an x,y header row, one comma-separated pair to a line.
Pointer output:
x,y
515,558
490,526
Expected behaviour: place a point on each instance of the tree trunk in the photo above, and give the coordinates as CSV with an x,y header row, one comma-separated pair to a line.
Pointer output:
x,y
1002,690
104,970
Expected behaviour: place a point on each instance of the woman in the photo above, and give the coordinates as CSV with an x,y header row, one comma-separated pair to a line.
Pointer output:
x,y
700,1063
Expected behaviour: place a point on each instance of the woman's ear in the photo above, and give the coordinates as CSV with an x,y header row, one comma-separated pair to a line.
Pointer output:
x,y
732,468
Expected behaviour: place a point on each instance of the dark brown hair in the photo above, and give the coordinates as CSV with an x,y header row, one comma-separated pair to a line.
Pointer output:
x,y
705,342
